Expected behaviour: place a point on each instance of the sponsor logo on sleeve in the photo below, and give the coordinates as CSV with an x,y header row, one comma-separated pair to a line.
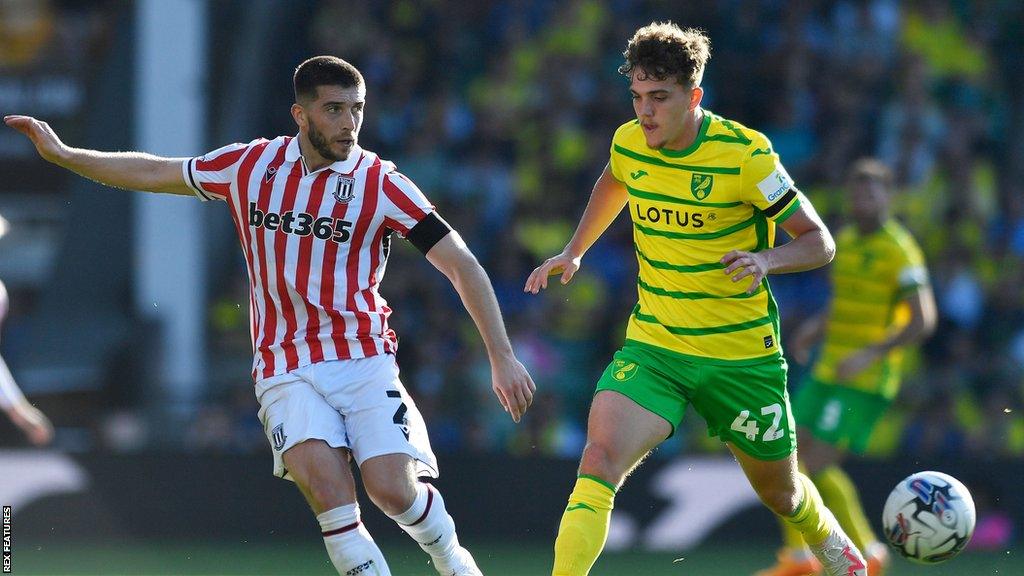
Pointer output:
x,y
775,184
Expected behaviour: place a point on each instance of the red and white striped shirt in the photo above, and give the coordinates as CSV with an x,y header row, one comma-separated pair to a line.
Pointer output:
x,y
316,245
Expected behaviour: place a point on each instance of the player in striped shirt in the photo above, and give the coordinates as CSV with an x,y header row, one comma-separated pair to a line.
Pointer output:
x,y
315,215
705,195
882,301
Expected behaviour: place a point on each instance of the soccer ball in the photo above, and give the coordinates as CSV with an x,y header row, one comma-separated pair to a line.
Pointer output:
x,y
929,517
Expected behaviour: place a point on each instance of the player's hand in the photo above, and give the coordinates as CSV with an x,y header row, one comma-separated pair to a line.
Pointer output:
x,y
513,386
32,422
564,264
740,265
857,362
42,136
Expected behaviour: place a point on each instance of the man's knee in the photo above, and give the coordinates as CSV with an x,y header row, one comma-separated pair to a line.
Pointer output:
x,y
599,460
780,497
322,474
390,482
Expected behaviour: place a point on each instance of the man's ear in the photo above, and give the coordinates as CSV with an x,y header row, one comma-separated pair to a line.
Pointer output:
x,y
299,115
695,97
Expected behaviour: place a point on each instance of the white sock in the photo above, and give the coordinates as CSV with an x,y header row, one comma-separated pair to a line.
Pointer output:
x,y
351,548
430,526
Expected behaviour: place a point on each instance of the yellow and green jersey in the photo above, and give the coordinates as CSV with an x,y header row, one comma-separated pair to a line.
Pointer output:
x,y
872,276
689,208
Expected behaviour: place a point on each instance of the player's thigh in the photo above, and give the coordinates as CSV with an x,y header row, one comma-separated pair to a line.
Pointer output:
x,y
292,412
748,407
813,454
323,474
839,416
381,418
655,382
620,432
390,481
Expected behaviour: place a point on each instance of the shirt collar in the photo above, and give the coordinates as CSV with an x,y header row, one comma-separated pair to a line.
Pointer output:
x,y
293,154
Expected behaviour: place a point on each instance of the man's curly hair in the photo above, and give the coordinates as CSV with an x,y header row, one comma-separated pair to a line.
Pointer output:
x,y
663,50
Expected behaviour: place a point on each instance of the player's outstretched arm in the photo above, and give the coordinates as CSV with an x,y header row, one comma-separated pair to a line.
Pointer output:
x,y
24,415
812,247
128,170
509,379
606,201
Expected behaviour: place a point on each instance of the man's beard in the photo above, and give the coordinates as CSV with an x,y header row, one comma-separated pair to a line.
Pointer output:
x,y
316,138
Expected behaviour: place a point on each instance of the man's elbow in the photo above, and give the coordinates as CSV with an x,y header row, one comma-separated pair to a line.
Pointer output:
x,y
826,247
464,266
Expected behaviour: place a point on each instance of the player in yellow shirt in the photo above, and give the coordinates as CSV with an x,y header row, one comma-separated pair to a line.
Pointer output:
x,y
705,195
882,301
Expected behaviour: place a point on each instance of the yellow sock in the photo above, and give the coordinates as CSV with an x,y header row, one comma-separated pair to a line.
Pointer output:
x,y
791,537
840,495
584,526
810,518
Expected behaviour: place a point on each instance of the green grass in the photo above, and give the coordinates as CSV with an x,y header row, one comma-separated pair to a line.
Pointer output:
x,y
495,559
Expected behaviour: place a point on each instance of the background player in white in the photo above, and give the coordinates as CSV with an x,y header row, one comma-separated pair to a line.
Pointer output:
x,y
32,422
314,214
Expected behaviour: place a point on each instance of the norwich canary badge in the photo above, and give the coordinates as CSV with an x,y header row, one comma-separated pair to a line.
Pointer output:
x,y
623,370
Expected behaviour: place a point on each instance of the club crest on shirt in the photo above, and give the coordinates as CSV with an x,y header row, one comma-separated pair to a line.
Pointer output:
x,y
271,172
345,189
700,185
623,370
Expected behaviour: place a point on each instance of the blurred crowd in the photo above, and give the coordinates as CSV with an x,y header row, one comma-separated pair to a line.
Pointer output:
x,y
503,111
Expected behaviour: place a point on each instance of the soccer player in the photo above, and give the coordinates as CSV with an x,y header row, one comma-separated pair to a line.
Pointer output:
x,y
24,415
882,302
705,195
315,214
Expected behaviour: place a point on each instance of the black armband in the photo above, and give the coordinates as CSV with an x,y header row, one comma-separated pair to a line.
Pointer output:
x,y
428,232
781,203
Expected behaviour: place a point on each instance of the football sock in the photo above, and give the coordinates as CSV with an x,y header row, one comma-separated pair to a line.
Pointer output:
x,y
429,524
350,546
791,537
584,526
810,518
840,495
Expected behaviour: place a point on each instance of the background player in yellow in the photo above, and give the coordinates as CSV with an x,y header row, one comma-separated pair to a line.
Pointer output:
x,y
881,302
705,195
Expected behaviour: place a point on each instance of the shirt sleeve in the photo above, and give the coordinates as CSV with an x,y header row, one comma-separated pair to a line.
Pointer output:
x,y
210,176
765,182
913,274
404,204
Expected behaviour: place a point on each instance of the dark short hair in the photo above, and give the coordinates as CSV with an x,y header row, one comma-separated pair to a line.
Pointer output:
x,y
663,50
323,71
869,170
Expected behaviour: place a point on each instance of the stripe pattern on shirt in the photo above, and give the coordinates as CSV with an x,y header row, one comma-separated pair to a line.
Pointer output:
x,y
315,246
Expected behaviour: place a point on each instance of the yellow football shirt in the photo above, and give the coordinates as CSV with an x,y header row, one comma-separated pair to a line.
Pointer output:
x,y
689,208
871,277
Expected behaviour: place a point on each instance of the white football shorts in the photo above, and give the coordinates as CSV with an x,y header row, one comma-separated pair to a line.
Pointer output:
x,y
357,404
